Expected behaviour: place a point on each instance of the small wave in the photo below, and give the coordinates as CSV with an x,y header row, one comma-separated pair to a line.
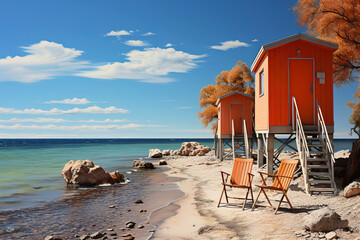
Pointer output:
x,y
105,185
129,172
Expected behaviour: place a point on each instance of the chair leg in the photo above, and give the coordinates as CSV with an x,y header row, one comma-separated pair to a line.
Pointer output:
x,y
279,203
247,193
267,198
252,195
287,199
226,196
222,192
257,197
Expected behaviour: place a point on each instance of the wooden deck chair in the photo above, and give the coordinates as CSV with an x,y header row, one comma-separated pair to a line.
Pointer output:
x,y
281,182
241,177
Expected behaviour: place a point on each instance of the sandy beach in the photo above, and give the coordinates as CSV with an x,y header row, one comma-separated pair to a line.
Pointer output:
x,y
199,218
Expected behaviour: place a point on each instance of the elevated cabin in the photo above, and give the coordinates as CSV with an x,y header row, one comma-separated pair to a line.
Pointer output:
x,y
298,66
235,106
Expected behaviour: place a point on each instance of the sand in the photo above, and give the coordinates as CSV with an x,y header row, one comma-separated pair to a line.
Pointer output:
x,y
197,215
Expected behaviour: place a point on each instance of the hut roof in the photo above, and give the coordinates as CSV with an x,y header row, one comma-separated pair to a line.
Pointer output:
x,y
229,94
292,38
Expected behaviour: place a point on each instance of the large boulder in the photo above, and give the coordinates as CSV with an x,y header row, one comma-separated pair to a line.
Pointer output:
x,y
193,149
352,189
86,173
324,220
155,153
166,152
143,164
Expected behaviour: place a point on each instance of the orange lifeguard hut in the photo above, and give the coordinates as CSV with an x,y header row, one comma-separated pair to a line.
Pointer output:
x,y
294,96
234,125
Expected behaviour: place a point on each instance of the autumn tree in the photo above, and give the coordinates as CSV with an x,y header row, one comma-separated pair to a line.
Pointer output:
x,y
239,78
339,21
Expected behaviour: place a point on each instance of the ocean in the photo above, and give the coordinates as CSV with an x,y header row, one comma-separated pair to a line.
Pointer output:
x,y
31,183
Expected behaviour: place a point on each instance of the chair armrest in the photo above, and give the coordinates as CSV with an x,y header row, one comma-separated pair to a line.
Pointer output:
x,y
269,174
222,172
284,176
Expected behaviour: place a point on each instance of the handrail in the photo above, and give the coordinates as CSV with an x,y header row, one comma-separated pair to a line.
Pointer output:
x,y
301,141
324,132
246,140
233,137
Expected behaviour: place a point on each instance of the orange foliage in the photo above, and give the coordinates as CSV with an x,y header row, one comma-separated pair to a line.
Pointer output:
x,y
337,21
237,79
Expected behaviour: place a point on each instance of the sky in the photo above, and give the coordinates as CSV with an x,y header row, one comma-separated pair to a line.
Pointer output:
x,y
129,69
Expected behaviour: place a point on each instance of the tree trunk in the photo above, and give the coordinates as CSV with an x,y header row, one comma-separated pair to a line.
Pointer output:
x,y
353,165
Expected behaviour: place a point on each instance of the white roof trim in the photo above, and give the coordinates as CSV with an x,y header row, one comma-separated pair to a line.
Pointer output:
x,y
234,92
291,39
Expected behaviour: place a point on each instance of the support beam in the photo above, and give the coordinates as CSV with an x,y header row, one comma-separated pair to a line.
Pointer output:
x,y
270,153
260,152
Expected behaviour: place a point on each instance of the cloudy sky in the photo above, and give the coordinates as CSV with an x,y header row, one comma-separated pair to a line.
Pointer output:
x,y
128,69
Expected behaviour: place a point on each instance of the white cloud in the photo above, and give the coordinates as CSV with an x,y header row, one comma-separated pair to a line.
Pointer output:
x,y
230,44
56,111
118,33
59,120
148,34
255,40
184,107
146,65
44,60
136,43
73,128
71,101
168,45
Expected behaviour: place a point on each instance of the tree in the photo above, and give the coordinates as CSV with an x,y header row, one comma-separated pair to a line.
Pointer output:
x,y
339,21
237,79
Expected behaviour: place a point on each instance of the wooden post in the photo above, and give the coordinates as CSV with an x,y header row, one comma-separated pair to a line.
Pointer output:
x,y
221,149
260,152
270,153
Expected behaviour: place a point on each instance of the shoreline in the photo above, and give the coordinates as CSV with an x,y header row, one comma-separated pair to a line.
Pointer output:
x,y
201,219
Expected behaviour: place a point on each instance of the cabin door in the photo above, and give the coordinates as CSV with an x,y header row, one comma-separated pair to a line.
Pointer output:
x,y
236,115
301,86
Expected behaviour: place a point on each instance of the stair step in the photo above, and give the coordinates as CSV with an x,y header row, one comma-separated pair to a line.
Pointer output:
x,y
322,190
315,145
317,159
319,181
316,152
311,132
319,174
313,139
317,166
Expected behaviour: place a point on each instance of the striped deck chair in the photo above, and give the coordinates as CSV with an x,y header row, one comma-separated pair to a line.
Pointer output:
x,y
240,177
281,182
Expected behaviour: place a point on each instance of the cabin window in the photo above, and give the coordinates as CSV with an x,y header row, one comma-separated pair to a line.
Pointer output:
x,y
261,80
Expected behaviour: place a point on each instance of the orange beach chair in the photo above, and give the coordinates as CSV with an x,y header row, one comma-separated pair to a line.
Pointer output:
x,y
281,182
240,177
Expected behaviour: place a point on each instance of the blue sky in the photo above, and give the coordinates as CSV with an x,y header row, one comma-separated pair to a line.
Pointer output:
x,y
128,69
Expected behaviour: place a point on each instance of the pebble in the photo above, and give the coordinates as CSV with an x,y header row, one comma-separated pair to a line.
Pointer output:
x,y
113,234
331,235
112,206
83,237
139,201
143,210
140,226
129,210
126,235
129,238
110,229
130,224
96,235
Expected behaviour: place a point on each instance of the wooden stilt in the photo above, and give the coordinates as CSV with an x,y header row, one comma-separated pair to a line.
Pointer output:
x,y
260,152
270,153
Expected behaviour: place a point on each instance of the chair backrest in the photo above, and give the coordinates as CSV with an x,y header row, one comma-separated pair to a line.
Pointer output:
x,y
287,168
240,171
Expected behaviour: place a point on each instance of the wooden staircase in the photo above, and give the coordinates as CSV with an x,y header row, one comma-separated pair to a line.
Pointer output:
x,y
316,154
240,143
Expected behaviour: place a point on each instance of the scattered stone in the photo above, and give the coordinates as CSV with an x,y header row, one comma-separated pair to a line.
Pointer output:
x,y
129,210
130,224
143,210
155,153
204,229
112,206
126,235
104,238
140,226
76,236
193,149
331,235
352,189
166,152
49,238
129,238
84,237
110,229
96,235
324,220
113,234
86,173
143,164
139,201
162,162
93,225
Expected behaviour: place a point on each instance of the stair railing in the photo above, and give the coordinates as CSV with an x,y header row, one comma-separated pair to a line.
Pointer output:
x,y
325,138
246,140
233,137
301,141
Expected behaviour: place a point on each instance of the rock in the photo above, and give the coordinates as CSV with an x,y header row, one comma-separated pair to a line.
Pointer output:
x,y
193,149
126,235
96,235
52,238
166,152
112,206
117,177
86,173
130,224
84,237
155,153
143,210
331,235
140,226
113,234
129,238
142,164
342,154
324,220
110,229
162,162
139,201
352,189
